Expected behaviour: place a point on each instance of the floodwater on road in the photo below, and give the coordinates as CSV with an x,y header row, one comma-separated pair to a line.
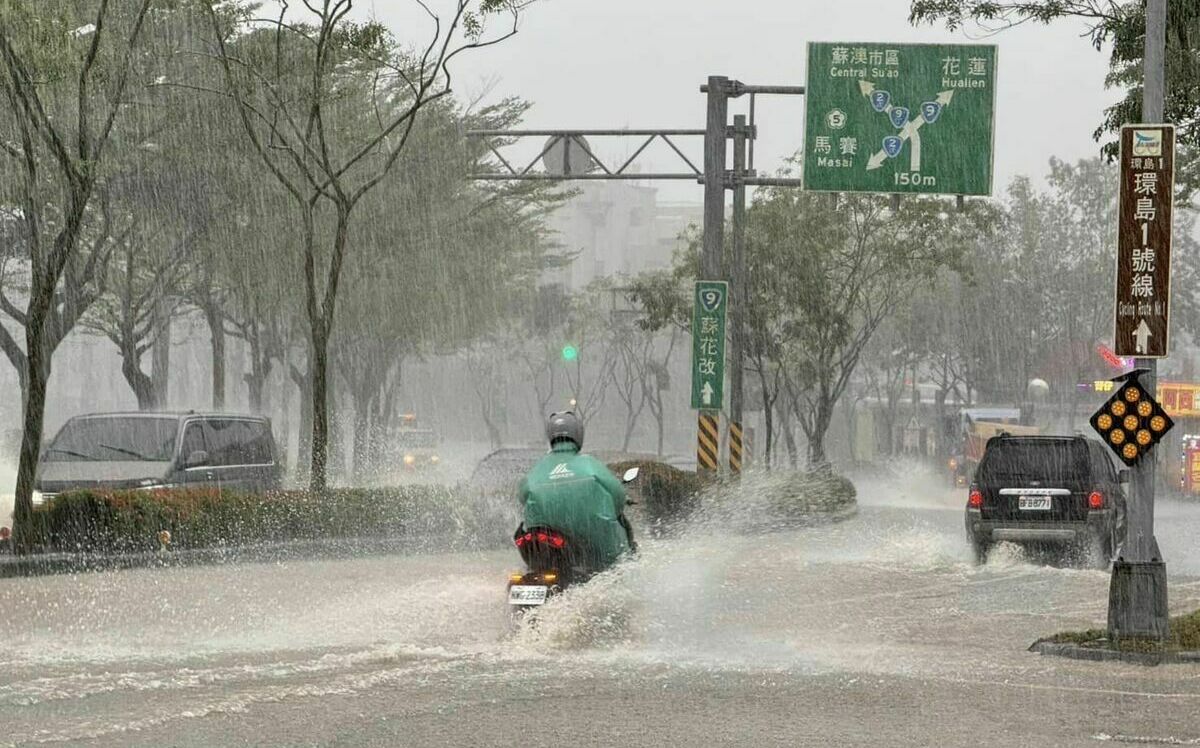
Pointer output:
x,y
877,630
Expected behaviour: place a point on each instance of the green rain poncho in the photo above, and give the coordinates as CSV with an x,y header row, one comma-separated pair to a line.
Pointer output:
x,y
578,496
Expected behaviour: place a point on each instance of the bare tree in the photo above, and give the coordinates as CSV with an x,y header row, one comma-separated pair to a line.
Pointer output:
x,y
62,127
328,144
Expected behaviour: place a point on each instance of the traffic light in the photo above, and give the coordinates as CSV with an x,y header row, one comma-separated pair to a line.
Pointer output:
x,y
570,352
1131,422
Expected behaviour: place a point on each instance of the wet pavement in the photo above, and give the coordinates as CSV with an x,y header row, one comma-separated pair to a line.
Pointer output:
x,y
876,631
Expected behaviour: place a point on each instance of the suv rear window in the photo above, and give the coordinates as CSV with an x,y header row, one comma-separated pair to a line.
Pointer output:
x,y
1034,459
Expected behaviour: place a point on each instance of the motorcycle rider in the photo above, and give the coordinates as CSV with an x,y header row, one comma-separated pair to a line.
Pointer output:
x,y
577,495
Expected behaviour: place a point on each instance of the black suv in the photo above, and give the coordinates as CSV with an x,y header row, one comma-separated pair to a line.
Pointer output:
x,y
1062,492
161,450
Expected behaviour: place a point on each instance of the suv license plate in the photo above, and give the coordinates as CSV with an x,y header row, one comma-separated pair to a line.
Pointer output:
x,y
1034,503
526,594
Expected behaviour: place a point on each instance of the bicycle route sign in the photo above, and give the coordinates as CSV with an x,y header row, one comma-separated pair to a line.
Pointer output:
x,y
900,118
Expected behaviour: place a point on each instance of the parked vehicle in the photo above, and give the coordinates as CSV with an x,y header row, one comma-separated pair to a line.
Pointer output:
x,y
1061,492
161,450
974,427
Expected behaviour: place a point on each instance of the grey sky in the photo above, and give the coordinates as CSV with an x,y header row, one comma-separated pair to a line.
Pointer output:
x,y
639,63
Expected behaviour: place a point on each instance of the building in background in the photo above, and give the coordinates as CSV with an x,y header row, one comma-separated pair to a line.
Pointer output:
x,y
618,228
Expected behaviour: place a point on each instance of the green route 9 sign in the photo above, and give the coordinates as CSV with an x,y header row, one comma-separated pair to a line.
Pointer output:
x,y
899,118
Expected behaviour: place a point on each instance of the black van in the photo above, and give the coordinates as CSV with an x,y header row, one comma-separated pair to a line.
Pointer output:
x,y
167,450
1057,491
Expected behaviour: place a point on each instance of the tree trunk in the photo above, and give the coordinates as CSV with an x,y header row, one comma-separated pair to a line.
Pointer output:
x,y
816,435
216,329
256,378
630,425
318,476
34,413
160,354
141,383
321,327
789,437
768,415
304,427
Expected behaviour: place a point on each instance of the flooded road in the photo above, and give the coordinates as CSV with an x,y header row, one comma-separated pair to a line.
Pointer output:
x,y
878,630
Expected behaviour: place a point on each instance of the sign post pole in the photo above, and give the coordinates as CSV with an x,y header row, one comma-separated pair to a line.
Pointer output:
x,y
1137,602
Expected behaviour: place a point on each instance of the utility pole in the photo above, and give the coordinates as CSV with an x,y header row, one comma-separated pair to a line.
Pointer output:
x,y
737,295
1137,602
718,90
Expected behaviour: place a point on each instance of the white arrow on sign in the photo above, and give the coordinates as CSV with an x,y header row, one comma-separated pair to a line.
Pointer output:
x,y
706,393
1141,336
910,131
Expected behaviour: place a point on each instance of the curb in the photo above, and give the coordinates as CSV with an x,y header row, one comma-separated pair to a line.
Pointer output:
x,y
40,564
1099,654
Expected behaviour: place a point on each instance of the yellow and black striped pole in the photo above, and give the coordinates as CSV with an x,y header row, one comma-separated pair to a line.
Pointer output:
x,y
735,448
707,441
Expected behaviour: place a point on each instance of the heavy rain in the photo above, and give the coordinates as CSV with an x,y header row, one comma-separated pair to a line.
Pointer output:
x,y
499,372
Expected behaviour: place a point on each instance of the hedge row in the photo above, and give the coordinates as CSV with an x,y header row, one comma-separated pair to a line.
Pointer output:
x,y
432,516
668,495
779,499
130,521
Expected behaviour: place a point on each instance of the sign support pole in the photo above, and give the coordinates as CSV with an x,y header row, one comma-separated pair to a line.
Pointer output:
x,y
1137,601
737,272
714,176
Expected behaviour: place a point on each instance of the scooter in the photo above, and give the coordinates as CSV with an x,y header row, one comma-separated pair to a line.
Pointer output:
x,y
554,563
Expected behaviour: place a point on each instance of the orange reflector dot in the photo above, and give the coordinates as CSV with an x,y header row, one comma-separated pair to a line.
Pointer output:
x,y
1116,436
1104,422
1144,437
1129,451
1158,423
1130,423
1131,394
1145,409
1118,408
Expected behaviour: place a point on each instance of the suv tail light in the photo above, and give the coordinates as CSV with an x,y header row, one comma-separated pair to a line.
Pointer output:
x,y
1095,500
975,499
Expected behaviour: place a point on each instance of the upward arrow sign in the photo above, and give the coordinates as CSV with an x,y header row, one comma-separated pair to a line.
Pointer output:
x,y
706,393
1141,336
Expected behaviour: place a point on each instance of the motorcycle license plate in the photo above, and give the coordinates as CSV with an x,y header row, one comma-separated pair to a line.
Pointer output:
x,y
1034,503
526,594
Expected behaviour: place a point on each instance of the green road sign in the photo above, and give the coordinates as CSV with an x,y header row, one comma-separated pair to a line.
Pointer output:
x,y
710,303
899,118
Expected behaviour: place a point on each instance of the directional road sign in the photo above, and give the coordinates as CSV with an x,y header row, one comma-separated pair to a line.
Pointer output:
x,y
711,301
1144,240
1132,421
899,118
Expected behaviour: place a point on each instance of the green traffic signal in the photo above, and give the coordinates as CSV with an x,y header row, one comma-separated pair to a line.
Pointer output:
x,y
570,352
